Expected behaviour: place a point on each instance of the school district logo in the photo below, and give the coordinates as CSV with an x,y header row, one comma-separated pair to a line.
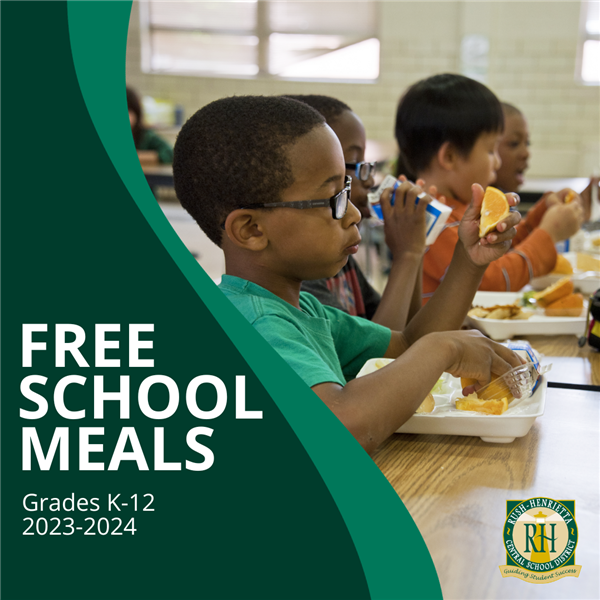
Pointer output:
x,y
540,537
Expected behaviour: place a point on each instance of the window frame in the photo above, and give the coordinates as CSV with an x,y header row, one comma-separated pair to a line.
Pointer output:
x,y
584,36
262,32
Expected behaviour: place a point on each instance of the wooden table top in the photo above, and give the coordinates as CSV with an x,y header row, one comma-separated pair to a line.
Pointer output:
x,y
456,489
570,363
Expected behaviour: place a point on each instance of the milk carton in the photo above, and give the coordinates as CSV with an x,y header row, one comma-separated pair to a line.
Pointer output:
x,y
436,214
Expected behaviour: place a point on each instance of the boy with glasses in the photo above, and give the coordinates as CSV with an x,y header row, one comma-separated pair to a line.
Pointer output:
x,y
404,230
238,155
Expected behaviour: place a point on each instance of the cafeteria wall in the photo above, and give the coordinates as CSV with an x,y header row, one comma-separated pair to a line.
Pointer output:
x,y
532,62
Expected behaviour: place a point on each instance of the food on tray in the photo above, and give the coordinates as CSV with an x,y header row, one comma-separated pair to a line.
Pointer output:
x,y
506,311
492,391
587,262
563,287
527,299
567,306
596,242
427,405
570,197
493,209
562,266
489,407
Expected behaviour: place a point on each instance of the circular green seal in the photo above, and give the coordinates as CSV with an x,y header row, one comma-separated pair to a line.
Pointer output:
x,y
540,534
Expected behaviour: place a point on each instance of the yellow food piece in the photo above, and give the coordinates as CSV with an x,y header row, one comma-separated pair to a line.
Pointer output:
x,y
567,306
596,242
562,266
427,405
381,362
563,287
570,197
507,311
493,209
488,407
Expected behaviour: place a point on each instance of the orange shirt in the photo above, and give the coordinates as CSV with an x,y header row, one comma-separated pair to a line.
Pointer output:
x,y
532,254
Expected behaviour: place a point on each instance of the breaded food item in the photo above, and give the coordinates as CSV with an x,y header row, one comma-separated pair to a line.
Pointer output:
x,y
587,262
596,241
502,312
479,312
562,266
567,306
427,405
488,407
494,208
506,311
563,287
570,197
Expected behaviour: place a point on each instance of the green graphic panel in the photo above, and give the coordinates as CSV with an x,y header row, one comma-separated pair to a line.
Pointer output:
x,y
259,523
355,483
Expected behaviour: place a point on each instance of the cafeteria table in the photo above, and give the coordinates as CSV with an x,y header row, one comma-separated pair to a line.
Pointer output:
x,y
456,488
572,366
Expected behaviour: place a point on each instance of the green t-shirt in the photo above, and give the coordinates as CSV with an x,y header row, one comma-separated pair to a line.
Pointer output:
x,y
320,343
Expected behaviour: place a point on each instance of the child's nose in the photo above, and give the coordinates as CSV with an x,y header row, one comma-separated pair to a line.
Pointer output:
x,y
352,216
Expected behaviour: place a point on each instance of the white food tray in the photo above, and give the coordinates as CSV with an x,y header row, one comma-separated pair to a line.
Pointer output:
x,y
499,429
586,282
537,324
446,419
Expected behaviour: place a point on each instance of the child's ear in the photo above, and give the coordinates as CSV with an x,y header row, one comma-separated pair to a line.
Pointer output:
x,y
446,156
244,229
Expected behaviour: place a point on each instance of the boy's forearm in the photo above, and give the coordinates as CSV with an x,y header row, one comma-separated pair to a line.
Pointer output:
x,y
448,307
393,397
416,302
395,303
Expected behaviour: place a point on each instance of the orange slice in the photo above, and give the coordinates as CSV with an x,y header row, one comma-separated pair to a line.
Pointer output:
x,y
567,306
493,209
563,287
489,407
562,266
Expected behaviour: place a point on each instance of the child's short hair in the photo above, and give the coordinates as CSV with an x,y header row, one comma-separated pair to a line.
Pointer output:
x,y
510,109
443,108
330,108
232,153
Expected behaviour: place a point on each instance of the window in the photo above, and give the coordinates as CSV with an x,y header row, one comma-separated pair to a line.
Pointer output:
x,y
257,38
589,60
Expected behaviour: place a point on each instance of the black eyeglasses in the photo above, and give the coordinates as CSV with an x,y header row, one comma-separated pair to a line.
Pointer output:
x,y
338,203
362,170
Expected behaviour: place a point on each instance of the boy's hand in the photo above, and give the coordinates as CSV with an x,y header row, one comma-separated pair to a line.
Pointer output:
x,y
404,223
477,357
496,243
561,221
551,199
